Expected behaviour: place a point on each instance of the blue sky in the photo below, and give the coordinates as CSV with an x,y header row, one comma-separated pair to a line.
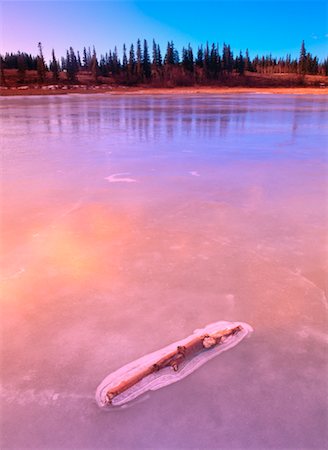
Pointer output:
x,y
276,27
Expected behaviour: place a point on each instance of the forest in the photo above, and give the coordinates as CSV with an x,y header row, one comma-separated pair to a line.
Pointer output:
x,y
139,64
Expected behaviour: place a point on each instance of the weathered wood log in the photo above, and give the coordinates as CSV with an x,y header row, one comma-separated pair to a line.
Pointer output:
x,y
201,343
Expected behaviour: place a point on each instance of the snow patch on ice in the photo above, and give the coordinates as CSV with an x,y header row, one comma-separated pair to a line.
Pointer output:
x,y
44,397
166,376
176,247
310,333
120,178
14,275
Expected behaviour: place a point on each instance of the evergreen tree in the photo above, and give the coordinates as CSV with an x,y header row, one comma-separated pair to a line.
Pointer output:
x,y
248,64
155,55
85,60
11,61
207,61
54,67
200,57
240,64
188,59
132,62
312,65
139,60
159,57
116,67
79,62
103,70
2,72
227,58
214,62
176,58
219,61
71,65
302,62
169,57
41,66
110,63
64,62
325,67
68,67
94,66
184,58
146,61
21,68
125,59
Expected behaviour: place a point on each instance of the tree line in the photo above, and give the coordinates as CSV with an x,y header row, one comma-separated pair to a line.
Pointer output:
x,y
139,64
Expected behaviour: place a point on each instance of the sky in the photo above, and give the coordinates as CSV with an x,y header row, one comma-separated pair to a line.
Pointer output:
x,y
263,26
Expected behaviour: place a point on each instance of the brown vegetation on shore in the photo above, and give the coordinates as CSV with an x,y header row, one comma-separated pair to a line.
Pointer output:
x,y
250,82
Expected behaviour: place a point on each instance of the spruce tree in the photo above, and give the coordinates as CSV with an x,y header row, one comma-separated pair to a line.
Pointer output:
x,y
315,66
2,72
94,66
110,63
176,58
131,62
240,66
219,62
146,61
103,66
159,57
184,56
54,67
200,57
21,68
155,55
302,62
79,62
213,62
71,65
63,62
116,62
227,58
325,67
125,59
139,60
207,61
85,59
170,56
41,66
247,61
188,59
311,64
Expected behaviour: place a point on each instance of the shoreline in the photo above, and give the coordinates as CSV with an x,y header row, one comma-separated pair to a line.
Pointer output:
x,y
193,90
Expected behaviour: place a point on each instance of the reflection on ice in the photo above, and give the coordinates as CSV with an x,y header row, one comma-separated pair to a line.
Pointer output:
x,y
226,218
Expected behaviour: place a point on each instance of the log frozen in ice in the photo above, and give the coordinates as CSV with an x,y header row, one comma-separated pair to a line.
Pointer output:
x,y
170,364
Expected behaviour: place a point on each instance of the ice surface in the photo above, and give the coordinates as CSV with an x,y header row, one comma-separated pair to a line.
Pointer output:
x,y
95,273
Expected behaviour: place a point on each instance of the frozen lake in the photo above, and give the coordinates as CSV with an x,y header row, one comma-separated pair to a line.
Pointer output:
x,y
130,221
